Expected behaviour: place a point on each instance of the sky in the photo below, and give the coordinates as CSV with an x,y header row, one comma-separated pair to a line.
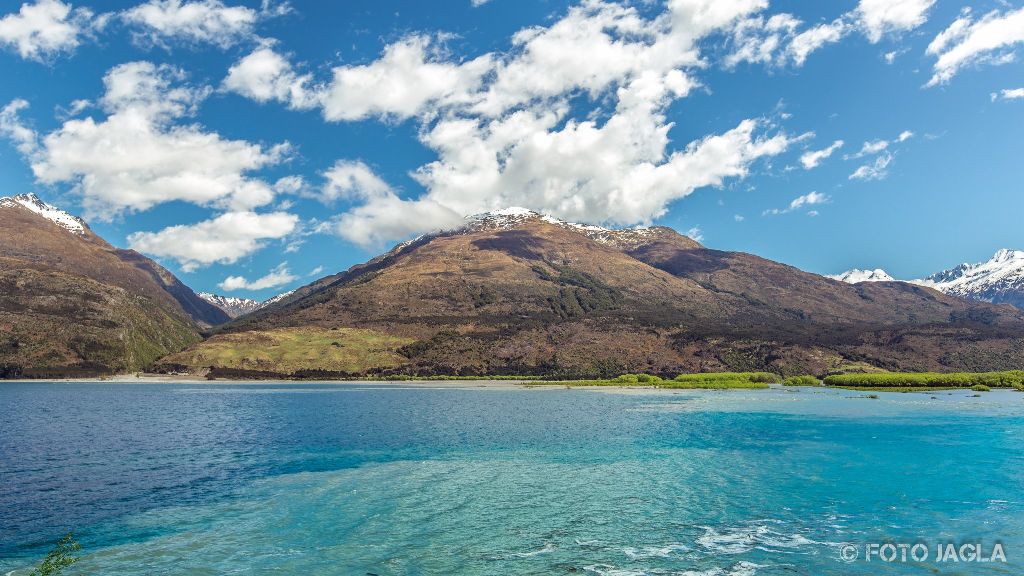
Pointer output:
x,y
252,147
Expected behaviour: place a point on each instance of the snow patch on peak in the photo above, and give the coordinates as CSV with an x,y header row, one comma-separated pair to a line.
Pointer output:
x,y
52,213
857,275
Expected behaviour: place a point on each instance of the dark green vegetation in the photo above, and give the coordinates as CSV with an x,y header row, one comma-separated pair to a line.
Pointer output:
x,y
73,305
801,381
62,556
1007,379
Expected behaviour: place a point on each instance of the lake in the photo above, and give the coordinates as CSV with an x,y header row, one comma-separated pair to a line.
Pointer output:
x,y
387,479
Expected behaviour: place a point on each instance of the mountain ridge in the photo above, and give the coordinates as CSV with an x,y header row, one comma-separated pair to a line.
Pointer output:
x,y
516,292
998,280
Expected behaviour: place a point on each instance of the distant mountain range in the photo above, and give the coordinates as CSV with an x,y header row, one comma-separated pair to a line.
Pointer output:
x,y
509,292
234,306
516,292
72,304
1000,280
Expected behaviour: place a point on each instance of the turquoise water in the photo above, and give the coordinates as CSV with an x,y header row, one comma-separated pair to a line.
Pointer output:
x,y
362,479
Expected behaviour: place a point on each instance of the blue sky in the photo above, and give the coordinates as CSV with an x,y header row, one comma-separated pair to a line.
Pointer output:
x,y
251,147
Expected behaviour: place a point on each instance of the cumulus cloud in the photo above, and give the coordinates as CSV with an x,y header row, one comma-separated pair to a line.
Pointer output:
x,y
45,28
264,75
812,158
1008,94
506,132
353,180
876,170
277,277
990,39
880,17
11,127
810,199
138,156
409,75
196,21
223,240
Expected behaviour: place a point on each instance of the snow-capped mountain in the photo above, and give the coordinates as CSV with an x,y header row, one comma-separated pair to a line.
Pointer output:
x,y
999,280
59,217
857,275
234,306
231,305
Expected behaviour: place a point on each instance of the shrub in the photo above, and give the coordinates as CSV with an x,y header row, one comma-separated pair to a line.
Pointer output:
x,y
761,377
1010,378
627,379
62,556
801,381
981,388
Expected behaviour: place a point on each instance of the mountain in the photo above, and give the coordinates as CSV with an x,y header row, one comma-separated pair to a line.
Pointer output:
x,y
515,292
72,304
857,275
235,307
999,280
231,305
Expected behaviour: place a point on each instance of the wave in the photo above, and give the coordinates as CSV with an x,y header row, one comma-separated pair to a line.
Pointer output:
x,y
742,539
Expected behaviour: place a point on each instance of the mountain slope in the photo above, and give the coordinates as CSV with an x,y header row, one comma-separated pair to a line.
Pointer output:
x,y
515,292
1000,280
70,303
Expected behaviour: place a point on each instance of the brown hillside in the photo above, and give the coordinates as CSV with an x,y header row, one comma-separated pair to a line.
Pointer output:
x,y
530,295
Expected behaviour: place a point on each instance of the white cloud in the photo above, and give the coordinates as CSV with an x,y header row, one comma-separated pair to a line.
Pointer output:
x,y
316,271
880,17
872,147
45,28
778,40
224,239
196,21
810,199
966,41
1008,94
264,75
478,3
410,75
138,157
738,217
24,138
353,180
695,234
277,277
505,131
812,158
877,170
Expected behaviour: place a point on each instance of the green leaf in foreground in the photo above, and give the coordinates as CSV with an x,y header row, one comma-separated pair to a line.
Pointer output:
x,y
62,556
